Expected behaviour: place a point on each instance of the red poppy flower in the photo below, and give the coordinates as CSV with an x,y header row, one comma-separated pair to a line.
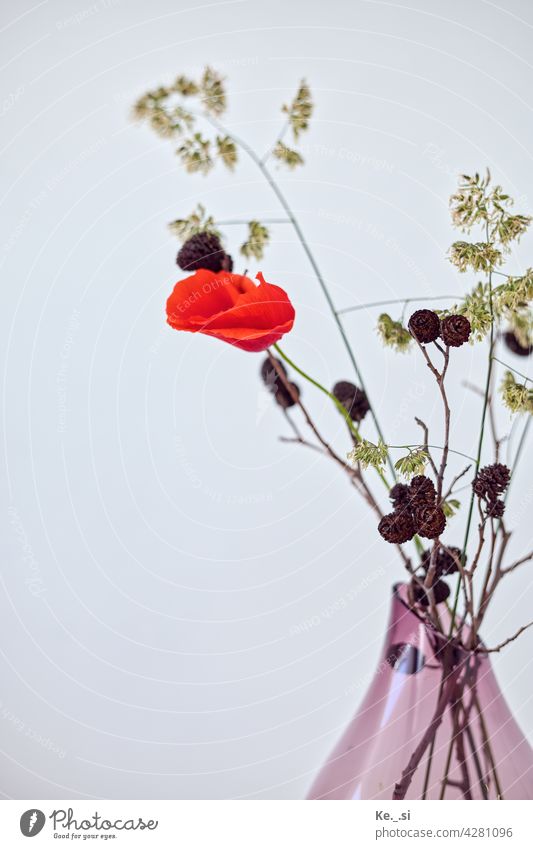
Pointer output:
x,y
232,308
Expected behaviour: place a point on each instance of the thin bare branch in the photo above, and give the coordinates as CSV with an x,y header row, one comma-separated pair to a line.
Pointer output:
x,y
507,641
425,446
517,563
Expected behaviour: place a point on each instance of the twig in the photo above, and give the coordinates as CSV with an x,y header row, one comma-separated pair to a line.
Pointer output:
x,y
454,481
517,563
296,399
486,745
425,446
483,782
299,440
402,786
292,425
506,642
355,475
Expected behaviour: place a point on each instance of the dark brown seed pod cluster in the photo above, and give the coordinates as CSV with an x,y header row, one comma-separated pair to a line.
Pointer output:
x,y
513,343
204,250
455,330
397,527
441,591
399,495
430,521
422,491
426,327
489,484
275,385
352,398
415,512
447,560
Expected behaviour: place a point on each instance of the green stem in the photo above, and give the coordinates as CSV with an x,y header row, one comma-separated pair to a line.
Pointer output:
x,y
340,407
479,450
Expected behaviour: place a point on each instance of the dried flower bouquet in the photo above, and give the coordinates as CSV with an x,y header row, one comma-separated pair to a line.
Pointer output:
x,y
215,300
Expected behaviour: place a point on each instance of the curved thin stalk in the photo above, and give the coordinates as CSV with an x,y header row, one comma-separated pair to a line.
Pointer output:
x,y
437,448
519,373
232,221
521,446
307,250
357,307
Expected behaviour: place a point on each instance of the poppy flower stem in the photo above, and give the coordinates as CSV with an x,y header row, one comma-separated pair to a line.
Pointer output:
x,y
340,407
307,250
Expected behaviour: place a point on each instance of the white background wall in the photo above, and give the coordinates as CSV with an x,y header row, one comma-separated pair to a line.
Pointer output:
x,y
161,548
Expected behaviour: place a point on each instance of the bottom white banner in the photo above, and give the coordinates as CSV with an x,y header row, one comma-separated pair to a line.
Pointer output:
x,y
258,824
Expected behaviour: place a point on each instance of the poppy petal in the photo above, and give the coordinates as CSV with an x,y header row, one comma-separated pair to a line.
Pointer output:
x,y
204,294
232,308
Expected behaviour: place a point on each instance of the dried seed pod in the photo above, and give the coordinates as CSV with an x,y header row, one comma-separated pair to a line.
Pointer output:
x,y
397,527
203,250
514,344
429,521
352,398
455,330
441,591
491,481
424,325
422,491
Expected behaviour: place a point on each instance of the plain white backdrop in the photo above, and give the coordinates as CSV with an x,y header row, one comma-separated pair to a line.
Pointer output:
x,y
191,608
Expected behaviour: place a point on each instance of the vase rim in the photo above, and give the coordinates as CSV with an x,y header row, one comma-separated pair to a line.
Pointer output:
x,y
470,653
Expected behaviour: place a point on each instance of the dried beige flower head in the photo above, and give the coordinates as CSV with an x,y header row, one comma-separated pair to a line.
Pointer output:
x,y
368,454
195,154
227,151
477,202
478,256
393,334
291,158
154,99
469,203
185,86
517,397
521,324
508,301
414,463
213,93
258,237
300,110
197,222
515,293
170,119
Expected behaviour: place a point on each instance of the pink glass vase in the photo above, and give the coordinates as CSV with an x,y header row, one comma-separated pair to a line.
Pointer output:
x,y
472,749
